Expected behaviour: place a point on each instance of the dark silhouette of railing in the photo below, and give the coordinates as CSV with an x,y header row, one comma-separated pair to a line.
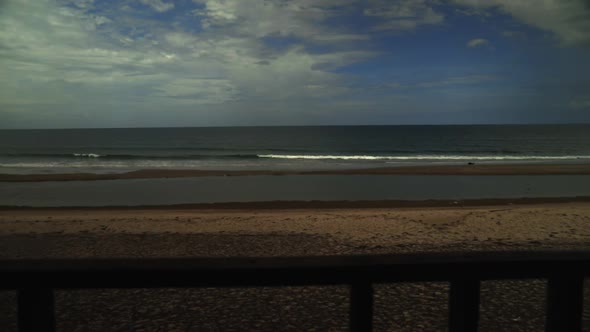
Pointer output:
x,y
35,280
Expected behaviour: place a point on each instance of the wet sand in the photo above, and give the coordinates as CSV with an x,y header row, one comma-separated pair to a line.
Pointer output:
x,y
528,169
283,230
265,188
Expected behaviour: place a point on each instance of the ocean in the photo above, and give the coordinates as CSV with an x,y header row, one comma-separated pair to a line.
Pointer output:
x,y
287,148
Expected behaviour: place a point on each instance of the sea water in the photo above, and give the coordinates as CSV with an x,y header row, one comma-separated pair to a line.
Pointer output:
x,y
287,148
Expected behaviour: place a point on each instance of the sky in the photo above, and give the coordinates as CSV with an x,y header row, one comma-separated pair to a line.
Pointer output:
x,y
160,63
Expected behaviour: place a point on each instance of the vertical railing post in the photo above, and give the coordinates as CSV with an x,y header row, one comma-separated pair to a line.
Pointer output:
x,y
36,310
464,305
565,295
361,307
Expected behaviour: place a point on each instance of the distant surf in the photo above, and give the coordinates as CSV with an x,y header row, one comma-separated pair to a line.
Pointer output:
x,y
91,155
133,156
405,157
422,157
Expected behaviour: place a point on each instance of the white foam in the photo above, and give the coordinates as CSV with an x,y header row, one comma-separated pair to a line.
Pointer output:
x,y
419,157
90,155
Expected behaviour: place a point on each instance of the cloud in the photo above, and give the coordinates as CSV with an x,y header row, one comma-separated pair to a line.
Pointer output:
x,y
201,91
445,82
514,34
478,42
83,3
77,56
473,12
302,18
404,14
181,39
256,18
568,20
214,61
158,5
459,80
580,104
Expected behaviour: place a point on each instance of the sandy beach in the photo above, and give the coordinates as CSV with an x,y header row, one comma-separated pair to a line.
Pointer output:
x,y
296,230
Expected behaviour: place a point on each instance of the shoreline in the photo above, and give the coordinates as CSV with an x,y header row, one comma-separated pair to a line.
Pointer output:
x,y
522,169
320,205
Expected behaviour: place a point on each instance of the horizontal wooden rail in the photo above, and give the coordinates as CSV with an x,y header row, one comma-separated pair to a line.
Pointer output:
x,y
564,270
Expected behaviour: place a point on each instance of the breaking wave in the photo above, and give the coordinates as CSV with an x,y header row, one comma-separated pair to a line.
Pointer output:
x,y
421,157
317,157
89,155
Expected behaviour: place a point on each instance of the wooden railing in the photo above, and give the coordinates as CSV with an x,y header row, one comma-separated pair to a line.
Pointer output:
x,y
35,280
